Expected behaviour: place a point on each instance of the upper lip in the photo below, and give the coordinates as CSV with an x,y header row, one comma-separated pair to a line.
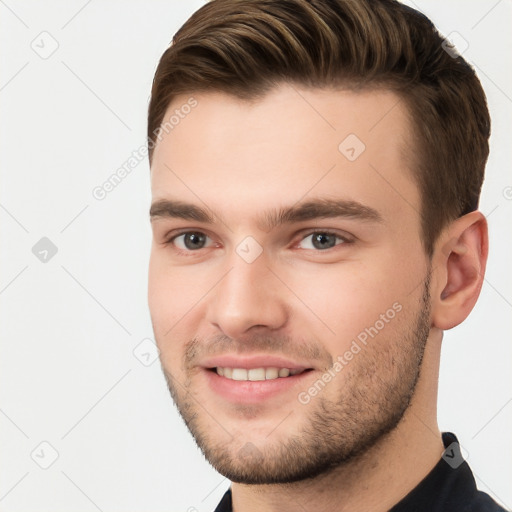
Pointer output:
x,y
254,361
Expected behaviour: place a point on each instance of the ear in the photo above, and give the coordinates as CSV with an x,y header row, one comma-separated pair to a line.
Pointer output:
x,y
458,264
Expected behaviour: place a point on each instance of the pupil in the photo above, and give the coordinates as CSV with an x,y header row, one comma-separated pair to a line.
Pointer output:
x,y
323,241
194,240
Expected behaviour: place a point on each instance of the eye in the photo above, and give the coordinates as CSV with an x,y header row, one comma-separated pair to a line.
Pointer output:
x,y
191,241
321,240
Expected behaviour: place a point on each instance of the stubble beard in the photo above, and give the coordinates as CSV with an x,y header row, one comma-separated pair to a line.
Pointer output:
x,y
377,389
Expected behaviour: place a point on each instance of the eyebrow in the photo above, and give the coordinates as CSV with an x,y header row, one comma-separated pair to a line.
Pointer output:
x,y
299,212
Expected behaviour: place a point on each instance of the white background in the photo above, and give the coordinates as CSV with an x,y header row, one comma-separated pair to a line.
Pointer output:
x,y
69,326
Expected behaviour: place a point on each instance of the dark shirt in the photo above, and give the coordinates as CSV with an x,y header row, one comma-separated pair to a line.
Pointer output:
x,y
449,487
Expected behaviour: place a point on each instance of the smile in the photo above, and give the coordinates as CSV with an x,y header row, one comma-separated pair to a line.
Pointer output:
x,y
256,374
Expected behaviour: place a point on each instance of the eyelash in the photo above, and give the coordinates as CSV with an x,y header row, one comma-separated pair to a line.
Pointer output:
x,y
344,240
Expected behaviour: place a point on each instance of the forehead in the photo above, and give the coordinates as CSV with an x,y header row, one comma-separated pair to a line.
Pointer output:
x,y
292,142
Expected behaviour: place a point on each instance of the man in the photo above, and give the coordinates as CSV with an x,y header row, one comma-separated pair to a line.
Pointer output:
x,y
316,169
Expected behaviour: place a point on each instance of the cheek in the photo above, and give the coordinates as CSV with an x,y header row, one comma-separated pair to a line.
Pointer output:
x,y
344,300
159,291
172,295
171,289
167,314
177,298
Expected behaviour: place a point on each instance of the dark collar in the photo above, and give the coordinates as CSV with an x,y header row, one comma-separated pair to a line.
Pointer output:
x,y
449,487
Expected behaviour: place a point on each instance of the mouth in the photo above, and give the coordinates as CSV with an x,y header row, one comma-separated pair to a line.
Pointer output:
x,y
257,374
256,380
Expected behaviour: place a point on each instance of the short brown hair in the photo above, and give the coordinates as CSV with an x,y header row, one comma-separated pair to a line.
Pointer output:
x,y
247,47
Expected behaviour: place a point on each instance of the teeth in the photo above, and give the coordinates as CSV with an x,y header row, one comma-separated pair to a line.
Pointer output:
x,y
255,374
271,373
239,374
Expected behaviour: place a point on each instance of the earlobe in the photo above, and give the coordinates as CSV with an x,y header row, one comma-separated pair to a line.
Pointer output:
x,y
459,263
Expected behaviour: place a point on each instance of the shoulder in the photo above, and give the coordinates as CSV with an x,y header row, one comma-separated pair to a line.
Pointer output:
x,y
482,502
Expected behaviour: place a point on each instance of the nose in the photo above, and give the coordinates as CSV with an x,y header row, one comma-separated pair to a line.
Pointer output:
x,y
249,297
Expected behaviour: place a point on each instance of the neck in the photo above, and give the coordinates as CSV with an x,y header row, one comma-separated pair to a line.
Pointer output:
x,y
377,479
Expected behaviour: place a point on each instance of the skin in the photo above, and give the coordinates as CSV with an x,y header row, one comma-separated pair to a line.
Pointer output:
x,y
237,160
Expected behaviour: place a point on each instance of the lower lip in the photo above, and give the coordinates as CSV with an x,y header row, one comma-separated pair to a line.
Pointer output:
x,y
245,391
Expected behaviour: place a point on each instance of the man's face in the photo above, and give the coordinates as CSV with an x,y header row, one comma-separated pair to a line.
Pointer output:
x,y
291,244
